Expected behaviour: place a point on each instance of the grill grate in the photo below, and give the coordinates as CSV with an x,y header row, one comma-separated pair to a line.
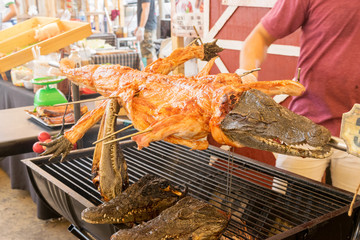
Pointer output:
x,y
260,209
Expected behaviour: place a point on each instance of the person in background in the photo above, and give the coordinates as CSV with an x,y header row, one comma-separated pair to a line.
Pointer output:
x,y
329,56
9,11
146,31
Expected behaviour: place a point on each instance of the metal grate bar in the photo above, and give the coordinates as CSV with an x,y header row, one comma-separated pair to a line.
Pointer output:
x,y
310,192
331,197
77,171
141,169
318,209
70,174
243,182
85,162
78,186
133,157
200,190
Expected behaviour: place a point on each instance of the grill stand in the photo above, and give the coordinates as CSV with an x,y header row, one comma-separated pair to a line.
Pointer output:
x,y
308,210
77,233
356,234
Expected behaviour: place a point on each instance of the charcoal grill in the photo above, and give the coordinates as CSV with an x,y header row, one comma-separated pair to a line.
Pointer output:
x,y
233,183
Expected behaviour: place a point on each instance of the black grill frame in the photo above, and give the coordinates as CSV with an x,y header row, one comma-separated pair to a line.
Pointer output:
x,y
308,210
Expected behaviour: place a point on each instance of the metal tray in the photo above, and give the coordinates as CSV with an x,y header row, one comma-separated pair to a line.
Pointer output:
x,y
39,120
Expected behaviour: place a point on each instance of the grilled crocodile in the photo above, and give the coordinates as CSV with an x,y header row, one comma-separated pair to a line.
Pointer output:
x,y
189,218
142,201
178,109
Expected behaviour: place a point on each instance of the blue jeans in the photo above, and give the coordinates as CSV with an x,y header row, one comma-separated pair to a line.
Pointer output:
x,y
13,21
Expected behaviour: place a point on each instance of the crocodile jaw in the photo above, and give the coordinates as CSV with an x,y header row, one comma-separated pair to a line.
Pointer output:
x,y
142,201
257,121
109,165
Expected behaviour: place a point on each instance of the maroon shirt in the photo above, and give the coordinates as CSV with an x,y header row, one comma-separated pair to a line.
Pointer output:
x,y
329,55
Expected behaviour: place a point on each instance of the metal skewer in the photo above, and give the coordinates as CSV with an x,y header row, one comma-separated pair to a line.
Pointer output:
x,y
131,135
83,101
100,140
250,71
198,35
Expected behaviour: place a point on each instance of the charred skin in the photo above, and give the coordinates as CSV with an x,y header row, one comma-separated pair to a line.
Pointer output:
x,y
109,170
211,50
142,201
187,219
257,121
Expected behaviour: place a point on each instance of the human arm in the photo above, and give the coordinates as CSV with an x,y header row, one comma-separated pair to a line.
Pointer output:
x,y
12,13
139,31
254,50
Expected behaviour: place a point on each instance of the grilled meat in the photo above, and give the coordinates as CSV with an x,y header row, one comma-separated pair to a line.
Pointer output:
x,y
187,219
68,118
51,111
142,201
178,109
54,115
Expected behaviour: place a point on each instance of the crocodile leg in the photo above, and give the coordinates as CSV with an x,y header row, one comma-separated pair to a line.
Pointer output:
x,y
179,56
109,170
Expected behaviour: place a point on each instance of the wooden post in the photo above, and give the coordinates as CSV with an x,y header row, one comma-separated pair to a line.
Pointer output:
x,y
47,8
178,42
108,19
26,6
4,77
87,7
122,13
79,5
96,17
62,4
52,8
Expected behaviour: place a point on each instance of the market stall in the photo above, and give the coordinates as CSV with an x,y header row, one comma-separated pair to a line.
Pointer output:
x,y
163,153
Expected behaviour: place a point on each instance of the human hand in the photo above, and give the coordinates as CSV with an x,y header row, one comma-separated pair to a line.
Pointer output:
x,y
248,78
139,33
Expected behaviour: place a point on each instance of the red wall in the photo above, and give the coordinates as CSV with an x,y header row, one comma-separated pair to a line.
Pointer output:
x,y
238,27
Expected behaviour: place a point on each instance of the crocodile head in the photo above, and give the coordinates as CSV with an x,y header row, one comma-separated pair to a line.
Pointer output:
x,y
142,201
189,218
257,121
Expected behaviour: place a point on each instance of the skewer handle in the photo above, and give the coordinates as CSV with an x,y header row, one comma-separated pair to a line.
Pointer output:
x,y
338,143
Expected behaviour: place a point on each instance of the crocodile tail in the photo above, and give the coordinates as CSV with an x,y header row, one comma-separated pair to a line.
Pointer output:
x,y
81,76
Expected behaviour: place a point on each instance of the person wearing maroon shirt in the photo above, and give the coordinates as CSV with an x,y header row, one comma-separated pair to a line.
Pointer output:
x,y
330,71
